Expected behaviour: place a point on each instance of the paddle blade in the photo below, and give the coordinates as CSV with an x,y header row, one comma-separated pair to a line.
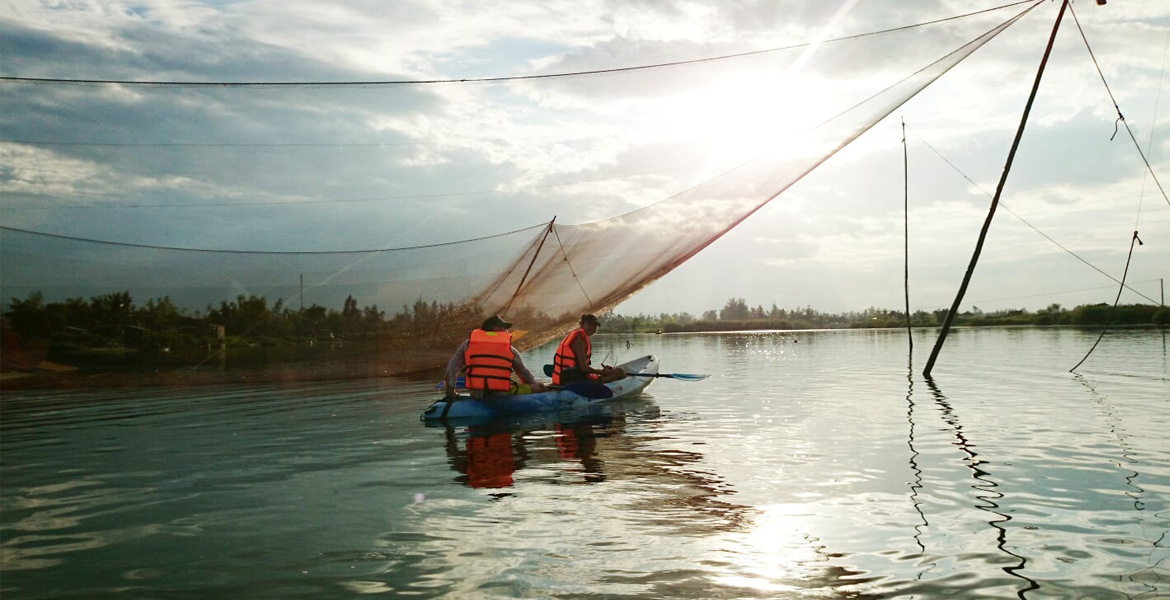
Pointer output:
x,y
548,370
459,383
688,376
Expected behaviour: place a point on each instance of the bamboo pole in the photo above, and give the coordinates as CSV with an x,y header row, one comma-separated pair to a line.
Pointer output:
x,y
906,236
942,336
524,278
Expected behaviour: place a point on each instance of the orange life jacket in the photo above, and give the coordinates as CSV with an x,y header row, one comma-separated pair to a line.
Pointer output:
x,y
565,359
489,361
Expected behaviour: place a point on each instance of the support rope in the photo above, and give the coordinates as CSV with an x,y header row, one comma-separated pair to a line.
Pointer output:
x,y
1154,118
1120,117
1113,311
1022,219
47,80
280,252
575,278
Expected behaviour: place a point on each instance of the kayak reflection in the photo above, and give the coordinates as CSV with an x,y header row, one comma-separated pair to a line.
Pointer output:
x,y
487,455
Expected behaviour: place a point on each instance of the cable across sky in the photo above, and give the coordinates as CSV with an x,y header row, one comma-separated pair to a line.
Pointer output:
x,y
405,82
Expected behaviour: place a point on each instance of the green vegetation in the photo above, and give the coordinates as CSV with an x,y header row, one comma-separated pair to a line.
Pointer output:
x,y
112,323
736,315
112,327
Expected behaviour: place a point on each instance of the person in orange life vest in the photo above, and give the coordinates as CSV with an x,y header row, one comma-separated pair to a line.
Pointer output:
x,y
490,360
571,362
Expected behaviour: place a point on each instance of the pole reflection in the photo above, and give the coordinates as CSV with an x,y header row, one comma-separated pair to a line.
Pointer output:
x,y
1128,456
917,484
989,489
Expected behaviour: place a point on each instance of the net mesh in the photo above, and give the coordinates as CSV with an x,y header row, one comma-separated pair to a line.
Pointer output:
x,y
417,301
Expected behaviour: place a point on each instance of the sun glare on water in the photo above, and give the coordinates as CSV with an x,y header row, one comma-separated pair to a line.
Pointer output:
x,y
774,555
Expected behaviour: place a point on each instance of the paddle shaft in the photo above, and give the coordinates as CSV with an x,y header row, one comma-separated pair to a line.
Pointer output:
x,y
548,370
678,376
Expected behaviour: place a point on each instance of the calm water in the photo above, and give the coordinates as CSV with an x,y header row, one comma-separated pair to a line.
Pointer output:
x,y
809,465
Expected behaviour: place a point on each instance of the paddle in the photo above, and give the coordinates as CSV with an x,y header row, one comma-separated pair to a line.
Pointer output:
x,y
678,376
459,384
548,370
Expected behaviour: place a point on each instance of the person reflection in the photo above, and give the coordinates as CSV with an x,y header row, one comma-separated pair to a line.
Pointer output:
x,y
578,442
487,459
678,494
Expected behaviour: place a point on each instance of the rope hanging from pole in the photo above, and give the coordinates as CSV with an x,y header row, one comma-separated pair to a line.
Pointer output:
x,y
1120,117
1112,311
571,270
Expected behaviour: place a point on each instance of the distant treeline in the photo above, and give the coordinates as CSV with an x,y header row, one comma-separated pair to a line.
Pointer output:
x,y
737,315
114,320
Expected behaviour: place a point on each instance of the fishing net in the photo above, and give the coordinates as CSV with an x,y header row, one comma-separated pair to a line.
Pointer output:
x,y
691,151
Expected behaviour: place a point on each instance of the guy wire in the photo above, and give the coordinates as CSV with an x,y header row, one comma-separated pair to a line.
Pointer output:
x,y
47,80
575,278
1120,117
1022,219
1113,311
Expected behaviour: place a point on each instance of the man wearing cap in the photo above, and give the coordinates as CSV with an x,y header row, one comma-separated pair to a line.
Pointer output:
x,y
571,362
490,360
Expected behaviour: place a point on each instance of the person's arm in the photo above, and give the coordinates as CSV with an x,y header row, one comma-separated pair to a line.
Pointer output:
x,y
454,366
521,370
578,348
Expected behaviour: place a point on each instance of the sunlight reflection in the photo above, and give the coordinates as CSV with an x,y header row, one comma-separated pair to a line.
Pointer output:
x,y
771,556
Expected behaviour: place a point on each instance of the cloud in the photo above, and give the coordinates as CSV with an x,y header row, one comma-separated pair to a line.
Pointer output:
x,y
417,164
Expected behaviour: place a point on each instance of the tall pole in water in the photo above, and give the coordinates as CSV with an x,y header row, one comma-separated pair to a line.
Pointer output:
x,y
942,336
906,236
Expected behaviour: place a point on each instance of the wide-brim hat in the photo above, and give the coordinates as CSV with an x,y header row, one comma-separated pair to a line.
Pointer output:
x,y
495,321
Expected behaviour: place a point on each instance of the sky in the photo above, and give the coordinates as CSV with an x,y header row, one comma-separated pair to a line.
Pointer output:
x,y
357,167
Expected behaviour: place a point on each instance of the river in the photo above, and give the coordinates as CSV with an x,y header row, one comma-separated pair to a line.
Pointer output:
x,y
810,464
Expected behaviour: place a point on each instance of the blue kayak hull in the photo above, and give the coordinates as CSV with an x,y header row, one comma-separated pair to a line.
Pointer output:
x,y
466,407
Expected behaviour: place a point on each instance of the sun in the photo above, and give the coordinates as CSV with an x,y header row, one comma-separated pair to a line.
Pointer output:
x,y
741,117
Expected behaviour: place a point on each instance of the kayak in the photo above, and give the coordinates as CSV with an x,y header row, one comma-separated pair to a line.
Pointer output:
x,y
491,406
